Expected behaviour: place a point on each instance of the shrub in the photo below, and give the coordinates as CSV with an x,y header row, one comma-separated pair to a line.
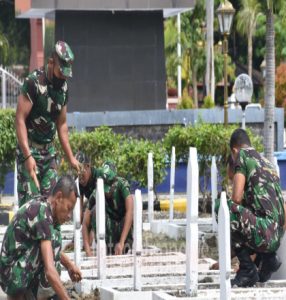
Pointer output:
x,y
208,102
7,142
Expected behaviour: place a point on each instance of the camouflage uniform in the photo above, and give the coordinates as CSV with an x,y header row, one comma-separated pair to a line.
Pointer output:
x,y
48,102
258,222
21,265
116,190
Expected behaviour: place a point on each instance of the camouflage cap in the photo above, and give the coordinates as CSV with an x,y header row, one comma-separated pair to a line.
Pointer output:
x,y
66,58
108,172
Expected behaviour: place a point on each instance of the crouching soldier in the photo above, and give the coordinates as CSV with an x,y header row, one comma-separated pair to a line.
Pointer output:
x,y
118,213
256,212
31,250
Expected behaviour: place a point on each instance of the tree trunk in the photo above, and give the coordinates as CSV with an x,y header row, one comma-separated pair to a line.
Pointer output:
x,y
195,87
249,54
210,78
270,87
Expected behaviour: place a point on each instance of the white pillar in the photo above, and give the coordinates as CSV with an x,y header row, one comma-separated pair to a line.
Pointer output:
x,y
100,230
16,203
179,53
4,94
192,234
150,188
137,240
224,248
77,227
172,183
214,191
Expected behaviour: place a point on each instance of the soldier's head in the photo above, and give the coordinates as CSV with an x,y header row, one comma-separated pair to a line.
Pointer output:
x,y
85,168
239,139
63,199
60,64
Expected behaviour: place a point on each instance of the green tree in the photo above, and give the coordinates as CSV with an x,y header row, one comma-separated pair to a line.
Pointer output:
x,y
17,32
4,48
246,25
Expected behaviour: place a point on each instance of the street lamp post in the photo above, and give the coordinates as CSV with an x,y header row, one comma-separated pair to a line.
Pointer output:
x,y
225,13
243,89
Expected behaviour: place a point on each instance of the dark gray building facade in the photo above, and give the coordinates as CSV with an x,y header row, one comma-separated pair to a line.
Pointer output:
x,y
119,50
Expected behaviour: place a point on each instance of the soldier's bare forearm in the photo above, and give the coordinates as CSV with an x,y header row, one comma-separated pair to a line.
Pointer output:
x,y
126,227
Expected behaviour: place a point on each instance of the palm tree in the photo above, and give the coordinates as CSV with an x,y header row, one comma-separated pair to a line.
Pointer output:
x,y
268,6
210,77
246,25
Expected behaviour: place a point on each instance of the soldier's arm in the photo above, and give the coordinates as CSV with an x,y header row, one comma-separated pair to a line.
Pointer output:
x,y
128,219
73,270
23,109
238,188
85,232
62,129
51,271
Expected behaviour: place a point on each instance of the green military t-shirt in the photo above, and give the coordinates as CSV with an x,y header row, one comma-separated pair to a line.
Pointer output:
x,y
262,192
115,195
47,105
21,244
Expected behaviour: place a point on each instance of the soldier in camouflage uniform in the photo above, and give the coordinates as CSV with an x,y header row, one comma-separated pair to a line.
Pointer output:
x,y
256,212
118,213
41,111
31,249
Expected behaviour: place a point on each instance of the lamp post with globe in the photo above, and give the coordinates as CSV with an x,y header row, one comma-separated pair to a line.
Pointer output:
x,y
243,89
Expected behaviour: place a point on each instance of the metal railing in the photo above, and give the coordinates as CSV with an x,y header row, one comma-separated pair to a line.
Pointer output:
x,y
10,88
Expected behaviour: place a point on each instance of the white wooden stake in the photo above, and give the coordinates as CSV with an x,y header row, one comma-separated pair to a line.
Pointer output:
x,y
192,234
214,191
16,202
77,227
100,230
137,237
276,166
172,183
150,188
224,248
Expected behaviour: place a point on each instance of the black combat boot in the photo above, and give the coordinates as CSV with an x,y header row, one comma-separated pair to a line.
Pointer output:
x,y
247,274
270,263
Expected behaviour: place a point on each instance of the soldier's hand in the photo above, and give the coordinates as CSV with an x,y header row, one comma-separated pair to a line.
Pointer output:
x,y
75,164
119,249
74,273
31,166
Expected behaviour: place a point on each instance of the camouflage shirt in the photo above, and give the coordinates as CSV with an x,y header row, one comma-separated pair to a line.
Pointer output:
x,y
21,244
115,195
91,185
262,191
47,105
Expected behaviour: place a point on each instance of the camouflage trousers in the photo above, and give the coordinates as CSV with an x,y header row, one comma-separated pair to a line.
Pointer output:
x,y
113,230
261,234
46,174
24,278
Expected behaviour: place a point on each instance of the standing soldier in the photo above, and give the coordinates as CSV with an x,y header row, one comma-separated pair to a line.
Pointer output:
x,y
118,213
31,249
41,111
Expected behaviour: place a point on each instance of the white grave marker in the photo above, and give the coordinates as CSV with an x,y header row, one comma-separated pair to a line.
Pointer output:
x,y
137,237
214,191
192,235
172,183
150,188
100,229
224,248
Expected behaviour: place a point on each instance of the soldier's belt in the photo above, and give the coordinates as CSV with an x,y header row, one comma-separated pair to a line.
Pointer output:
x,y
39,146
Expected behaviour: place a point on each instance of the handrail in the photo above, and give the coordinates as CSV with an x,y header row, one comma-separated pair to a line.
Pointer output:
x,y
11,75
